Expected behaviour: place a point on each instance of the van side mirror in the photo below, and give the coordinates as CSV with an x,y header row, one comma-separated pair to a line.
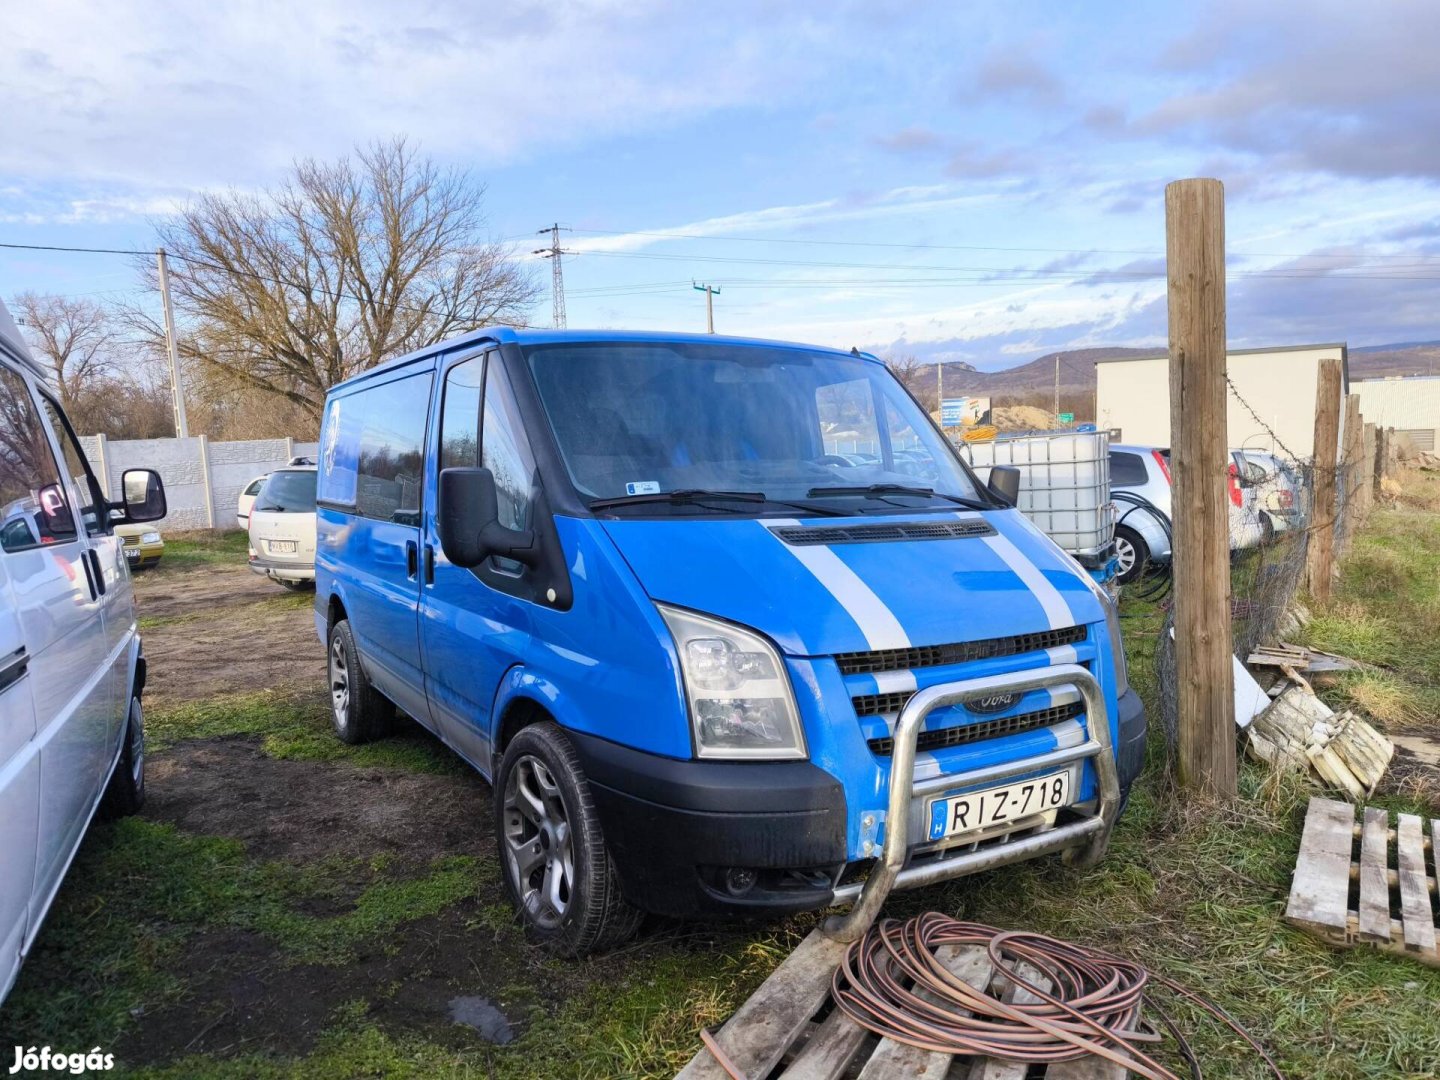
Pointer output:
x,y
143,495
1005,484
468,520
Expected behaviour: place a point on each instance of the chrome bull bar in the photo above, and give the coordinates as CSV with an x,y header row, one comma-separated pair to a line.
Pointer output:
x,y
1092,834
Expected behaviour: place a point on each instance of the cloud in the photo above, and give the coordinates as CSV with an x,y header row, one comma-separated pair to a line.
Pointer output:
x,y
1018,75
910,140
1333,87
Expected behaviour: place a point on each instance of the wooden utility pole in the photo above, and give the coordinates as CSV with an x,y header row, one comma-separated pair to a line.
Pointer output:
x,y
1324,481
1195,260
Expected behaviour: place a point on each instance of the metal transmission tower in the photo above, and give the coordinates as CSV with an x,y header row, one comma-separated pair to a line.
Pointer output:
x,y
557,276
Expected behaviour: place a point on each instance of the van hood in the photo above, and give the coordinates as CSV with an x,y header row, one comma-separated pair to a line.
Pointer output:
x,y
857,593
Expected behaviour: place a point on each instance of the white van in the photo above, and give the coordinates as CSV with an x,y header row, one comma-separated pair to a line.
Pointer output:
x,y
72,737
282,527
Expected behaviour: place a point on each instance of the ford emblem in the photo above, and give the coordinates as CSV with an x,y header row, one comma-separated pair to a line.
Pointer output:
x,y
992,703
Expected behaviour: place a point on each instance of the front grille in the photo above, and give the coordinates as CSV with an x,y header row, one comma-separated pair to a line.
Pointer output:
x,y
862,663
130,541
808,535
983,729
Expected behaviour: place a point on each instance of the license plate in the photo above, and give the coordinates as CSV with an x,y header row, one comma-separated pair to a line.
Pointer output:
x,y
132,554
282,547
978,811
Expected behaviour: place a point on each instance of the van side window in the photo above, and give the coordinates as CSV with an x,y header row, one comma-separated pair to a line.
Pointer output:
x,y
34,507
847,419
93,512
392,450
460,414
506,453
907,448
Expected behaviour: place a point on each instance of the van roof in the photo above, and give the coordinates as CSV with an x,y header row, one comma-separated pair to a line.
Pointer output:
x,y
509,335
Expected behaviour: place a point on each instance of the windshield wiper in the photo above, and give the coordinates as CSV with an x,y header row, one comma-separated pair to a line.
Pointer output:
x,y
878,491
698,496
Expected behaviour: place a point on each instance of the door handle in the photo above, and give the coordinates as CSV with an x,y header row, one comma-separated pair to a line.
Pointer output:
x,y
89,575
99,571
412,558
429,564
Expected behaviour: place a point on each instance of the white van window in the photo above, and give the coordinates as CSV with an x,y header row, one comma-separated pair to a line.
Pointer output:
x,y
34,508
506,453
392,448
93,512
460,414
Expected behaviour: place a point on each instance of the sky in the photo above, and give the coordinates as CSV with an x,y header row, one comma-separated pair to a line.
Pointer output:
x,y
954,181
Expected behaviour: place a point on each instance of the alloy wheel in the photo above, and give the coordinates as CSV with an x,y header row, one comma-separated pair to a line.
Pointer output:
x,y
538,847
339,682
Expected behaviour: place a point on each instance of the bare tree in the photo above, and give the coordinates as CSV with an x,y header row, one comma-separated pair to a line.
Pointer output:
x,y
917,377
76,336
346,264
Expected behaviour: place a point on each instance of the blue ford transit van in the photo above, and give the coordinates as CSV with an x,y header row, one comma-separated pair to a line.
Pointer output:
x,y
727,624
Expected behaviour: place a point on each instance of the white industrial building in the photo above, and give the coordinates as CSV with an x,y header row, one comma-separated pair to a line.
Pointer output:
x,y
1132,394
1409,403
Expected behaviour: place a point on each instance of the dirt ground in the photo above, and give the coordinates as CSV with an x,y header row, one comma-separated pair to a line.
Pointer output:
x,y
216,630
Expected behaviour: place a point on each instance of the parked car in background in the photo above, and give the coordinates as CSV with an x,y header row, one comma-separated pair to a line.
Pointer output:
x,y
247,500
143,545
625,578
282,527
72,736
1141,474
1276,489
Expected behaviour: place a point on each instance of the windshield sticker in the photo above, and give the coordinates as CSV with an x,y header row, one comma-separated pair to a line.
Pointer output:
x,y
643,487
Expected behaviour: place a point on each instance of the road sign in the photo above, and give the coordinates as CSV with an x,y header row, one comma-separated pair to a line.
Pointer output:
x,y
1067,418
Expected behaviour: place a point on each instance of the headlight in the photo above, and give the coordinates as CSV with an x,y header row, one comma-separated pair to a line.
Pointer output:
x,y
741,704
150,538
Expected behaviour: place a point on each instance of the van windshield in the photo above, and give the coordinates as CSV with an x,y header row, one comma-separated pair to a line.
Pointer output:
x,y
645,418
287,493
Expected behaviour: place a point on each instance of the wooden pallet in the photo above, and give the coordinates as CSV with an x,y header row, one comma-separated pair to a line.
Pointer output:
x,y
788,1029
1370,883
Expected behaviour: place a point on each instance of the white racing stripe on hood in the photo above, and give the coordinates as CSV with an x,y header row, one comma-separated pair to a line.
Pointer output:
x,y
876,621
1057,611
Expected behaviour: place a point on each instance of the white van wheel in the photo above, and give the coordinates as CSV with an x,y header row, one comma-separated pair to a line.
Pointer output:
x,y
359,712
126,792
556,868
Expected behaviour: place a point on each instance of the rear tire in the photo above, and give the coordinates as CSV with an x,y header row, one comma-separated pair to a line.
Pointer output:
x,y
125,793
359,712
557,870
1132,553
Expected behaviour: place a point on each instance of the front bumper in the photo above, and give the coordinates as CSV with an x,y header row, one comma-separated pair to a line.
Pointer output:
x,y
675,827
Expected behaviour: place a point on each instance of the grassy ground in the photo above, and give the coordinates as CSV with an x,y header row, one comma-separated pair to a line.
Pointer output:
x,y
1193,891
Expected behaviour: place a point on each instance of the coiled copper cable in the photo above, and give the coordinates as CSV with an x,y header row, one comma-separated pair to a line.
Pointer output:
x,y
1085,1001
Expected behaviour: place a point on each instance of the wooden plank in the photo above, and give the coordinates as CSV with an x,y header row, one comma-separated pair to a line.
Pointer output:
x,y
896,1059
1415,911
1000,1068
763,1028
829,1050
1374,881
1320,893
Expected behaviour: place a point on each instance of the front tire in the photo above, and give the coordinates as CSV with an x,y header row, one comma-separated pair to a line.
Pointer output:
x,y
1132,554
359,712
557,870
125,793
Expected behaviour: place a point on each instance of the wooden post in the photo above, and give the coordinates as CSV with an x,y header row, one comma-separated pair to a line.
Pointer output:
x,y
1381,451
1367,468
1199,458
1320,555
1353,439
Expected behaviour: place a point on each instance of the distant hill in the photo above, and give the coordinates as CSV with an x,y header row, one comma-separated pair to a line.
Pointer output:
x,y
1077,369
